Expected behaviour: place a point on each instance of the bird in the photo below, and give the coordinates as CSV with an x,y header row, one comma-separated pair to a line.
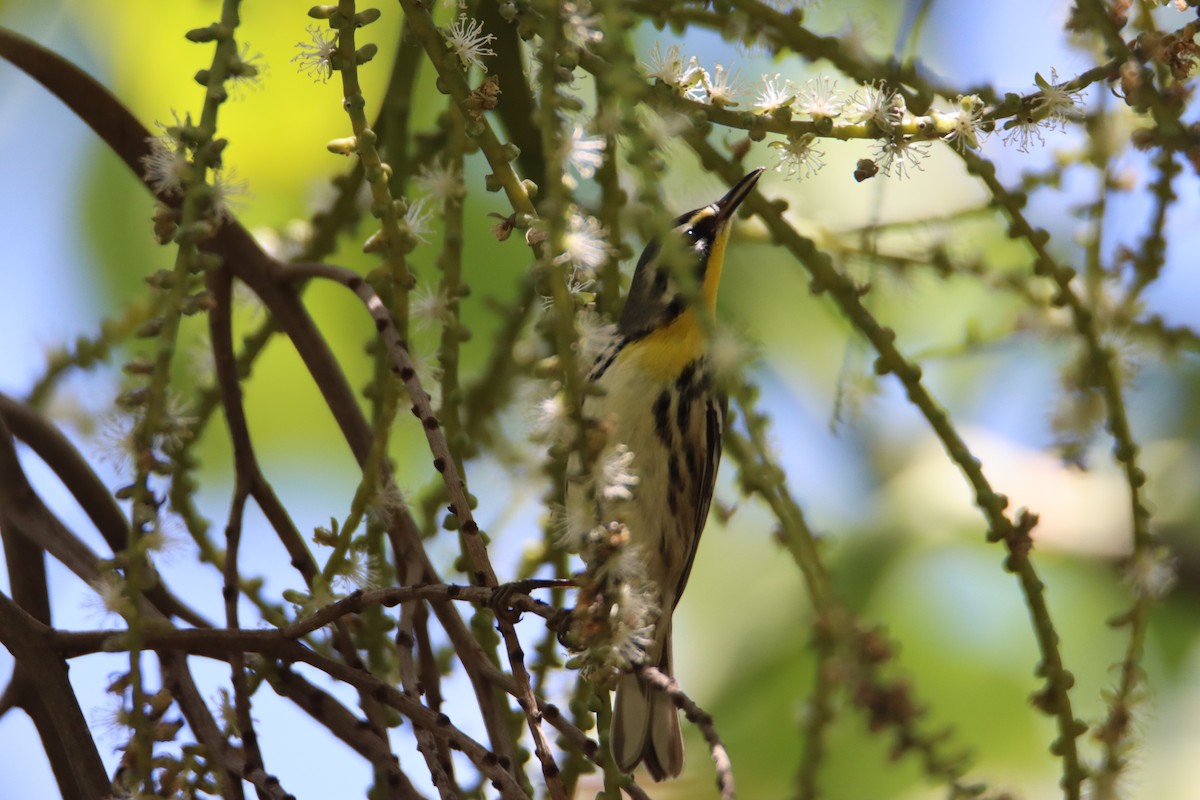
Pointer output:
x,y
656,395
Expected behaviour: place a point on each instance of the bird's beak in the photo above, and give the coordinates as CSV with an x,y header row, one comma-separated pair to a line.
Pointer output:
x,y
728,204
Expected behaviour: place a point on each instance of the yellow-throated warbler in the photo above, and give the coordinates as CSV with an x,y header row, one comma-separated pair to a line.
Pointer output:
x,y
659,401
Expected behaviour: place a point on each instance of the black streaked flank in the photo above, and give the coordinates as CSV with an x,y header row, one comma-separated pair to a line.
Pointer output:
x,y
603,361
662,417
692,459
685,377
687,387
683,412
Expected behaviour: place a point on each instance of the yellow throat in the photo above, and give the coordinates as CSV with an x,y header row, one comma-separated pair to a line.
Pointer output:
x,y
668,349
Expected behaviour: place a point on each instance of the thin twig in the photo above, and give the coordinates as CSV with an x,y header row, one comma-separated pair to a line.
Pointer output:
x,y
664,683
460,505
479,595
220,643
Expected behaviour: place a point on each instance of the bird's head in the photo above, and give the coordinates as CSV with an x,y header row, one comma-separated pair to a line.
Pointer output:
x,y
654,296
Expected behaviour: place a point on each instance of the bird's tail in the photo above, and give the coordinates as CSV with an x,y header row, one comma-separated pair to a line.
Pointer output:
x,y
645,724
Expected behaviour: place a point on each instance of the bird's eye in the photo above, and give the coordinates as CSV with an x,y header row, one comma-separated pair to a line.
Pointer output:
x,y
690,233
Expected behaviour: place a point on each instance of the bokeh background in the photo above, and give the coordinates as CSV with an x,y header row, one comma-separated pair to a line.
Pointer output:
x,y
904,544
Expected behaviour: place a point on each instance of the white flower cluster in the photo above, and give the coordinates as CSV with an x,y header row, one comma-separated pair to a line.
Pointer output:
x,y
585,249
903,141
797,156
418,219
618,605
168,168
631,622
581,23
616,478
584,155
719,88
167,165
963,123
1051,109
468,42
820,99
1152,573
440,181
315,58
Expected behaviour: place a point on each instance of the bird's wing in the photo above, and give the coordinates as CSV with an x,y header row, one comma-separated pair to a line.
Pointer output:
x,y
704,434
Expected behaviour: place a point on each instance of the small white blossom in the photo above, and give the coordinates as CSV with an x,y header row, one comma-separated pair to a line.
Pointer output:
x,y
578,285
1152,573
429,372
669,67
877,103
1024,131
719,88
775,95
440,181
114,442
166,540
550,420
728,355
166,167
616,476
899,155
595,335
572,523
613,559
110,595
1125,355
388,504
429,307
584,242
1056,103
468,41
691,73
360,572
418,218
246,69
175,426
820,98
585,153
1051,110
797,155
964,123
315,58
631,620
628,565
228,193
112,720
583,26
